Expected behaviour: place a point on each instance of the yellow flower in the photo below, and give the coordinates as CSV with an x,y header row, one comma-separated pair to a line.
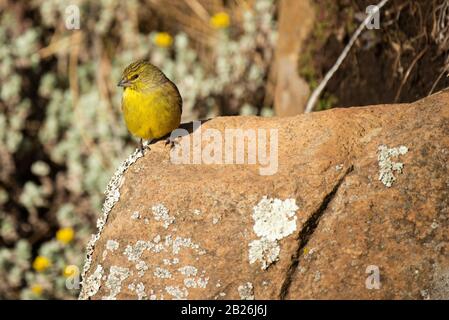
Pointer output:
x,y
220,20
65,235
41,263
69,271
163,39
37,289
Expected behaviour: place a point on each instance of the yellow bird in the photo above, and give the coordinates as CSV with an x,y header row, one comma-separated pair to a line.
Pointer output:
x,y
151,103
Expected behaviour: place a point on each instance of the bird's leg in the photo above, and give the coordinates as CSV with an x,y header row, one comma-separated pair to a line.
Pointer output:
x,y
141,146
168,141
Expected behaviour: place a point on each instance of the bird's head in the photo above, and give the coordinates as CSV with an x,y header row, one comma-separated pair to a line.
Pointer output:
x,y
141,76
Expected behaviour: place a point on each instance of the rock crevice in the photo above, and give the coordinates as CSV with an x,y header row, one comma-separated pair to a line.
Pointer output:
x,y
307,231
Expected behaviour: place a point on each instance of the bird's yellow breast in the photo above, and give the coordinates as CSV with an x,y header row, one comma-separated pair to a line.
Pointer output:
x,y
152,115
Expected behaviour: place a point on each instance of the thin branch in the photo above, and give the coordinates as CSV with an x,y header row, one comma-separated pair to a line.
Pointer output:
x,y
317,92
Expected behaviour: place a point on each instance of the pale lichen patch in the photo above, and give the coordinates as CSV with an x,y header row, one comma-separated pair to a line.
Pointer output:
x,y
188,271
196,282
440,284
111,245
139,289
220,295
425,294
169,262
112,196
202,282
274,220
141,267
317,276
133,253
135,215
162,273
160,213
246,291
93,283
152,295
181,242
114,281
386,166
265,251
177,293
191,281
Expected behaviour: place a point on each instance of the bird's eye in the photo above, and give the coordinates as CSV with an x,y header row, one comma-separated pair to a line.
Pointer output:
x,y
134,77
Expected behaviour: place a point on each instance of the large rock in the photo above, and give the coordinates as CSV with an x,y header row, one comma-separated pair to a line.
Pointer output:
x,y
324,226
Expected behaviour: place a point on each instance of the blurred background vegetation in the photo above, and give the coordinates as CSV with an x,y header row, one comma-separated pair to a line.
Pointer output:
x,y
61,131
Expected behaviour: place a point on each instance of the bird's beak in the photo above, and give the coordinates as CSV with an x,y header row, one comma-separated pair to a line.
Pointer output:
x,y
124,83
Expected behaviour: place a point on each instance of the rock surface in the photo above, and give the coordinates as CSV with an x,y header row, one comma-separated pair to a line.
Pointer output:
x,y
323,227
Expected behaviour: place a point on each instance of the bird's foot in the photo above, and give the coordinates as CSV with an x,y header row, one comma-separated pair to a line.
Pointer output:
x,y
144,146
171,142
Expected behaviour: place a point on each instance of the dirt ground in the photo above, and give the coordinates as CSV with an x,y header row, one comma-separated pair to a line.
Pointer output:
x,y
404,60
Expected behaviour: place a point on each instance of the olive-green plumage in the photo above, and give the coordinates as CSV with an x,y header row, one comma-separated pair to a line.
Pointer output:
x,y
151,103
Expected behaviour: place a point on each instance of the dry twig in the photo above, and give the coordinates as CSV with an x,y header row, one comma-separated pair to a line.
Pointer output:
x,y
317,92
